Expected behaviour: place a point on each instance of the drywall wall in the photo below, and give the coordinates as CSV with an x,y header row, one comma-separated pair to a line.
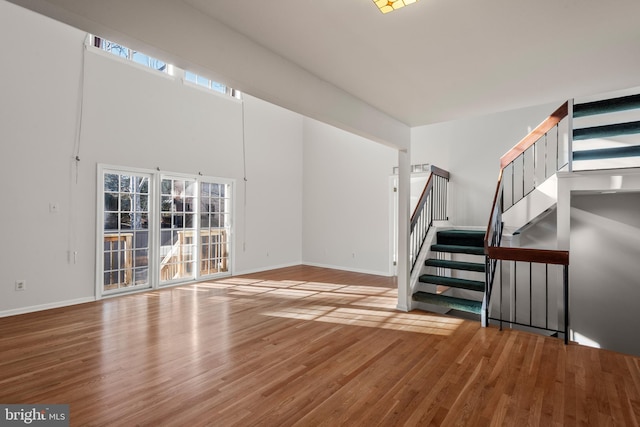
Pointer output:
x,y
272,234
346,200
604,270
604,244
470,149
38,113
131,117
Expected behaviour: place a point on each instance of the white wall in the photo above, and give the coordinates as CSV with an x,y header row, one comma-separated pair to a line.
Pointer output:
x,y
274,188
131,117
470,149
346,200
39,82
605,273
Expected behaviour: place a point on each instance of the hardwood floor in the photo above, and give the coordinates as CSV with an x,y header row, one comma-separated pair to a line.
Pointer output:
x,y
302,346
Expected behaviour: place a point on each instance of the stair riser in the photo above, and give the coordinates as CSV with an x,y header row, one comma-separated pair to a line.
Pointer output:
x,y
453,282
456,274
449,302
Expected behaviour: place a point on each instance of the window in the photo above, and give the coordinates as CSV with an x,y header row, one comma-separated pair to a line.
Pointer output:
x,y
130,54
157,64
204,82
159,229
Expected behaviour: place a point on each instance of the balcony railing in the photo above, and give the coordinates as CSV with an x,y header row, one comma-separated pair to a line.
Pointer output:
x,y
522,169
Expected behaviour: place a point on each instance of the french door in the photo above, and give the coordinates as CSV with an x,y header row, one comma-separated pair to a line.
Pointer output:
x,y
125,230
161,229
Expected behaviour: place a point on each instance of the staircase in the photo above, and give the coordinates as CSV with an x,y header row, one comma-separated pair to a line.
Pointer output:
x,y
457,253
462,271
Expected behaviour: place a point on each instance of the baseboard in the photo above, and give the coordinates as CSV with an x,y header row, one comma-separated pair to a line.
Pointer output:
x,y
353,270
266,268
42,307
402,308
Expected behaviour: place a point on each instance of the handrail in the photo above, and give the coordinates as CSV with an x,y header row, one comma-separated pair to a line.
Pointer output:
x,y
533,136
493,236
431,206
425,191
517,150
541,256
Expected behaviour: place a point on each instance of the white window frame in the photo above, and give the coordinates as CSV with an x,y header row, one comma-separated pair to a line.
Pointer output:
x,y
154,229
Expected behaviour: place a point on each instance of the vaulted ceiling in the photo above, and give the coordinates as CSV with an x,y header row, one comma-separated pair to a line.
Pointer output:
x,y
432,61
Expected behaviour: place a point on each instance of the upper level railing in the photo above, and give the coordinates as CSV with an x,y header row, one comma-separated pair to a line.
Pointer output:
x,y
538,156
432,206
543,152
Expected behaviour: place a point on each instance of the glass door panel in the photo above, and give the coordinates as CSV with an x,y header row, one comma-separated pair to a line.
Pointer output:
x,y
125,231
214,228
177,222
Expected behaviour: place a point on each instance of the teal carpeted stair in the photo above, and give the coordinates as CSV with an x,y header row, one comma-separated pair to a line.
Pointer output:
x,y
606,106
472,285
455,265
453,303
455,244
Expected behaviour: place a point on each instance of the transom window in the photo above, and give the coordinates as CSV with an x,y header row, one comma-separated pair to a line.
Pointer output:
x,y
141,58
204,82
130,54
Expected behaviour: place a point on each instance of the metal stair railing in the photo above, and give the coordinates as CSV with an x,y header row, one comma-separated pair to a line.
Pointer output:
x,y
522,168
432,206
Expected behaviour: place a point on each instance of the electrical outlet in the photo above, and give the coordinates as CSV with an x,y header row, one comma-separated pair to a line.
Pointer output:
x,y
21,285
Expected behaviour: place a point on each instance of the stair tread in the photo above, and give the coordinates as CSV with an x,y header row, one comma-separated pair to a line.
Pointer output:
x,y
607,153
461,304
615,129
461,237
457,231
454,282
473,250
455,265
604,106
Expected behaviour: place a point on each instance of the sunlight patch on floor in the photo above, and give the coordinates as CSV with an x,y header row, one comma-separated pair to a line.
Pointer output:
x,y
420,323
340,304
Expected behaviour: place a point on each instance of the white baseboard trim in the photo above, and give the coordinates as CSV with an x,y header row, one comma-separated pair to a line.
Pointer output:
x,y
353,270
42,307
402,308
266,268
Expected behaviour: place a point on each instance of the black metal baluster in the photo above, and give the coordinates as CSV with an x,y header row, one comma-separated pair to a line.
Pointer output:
x,y
515,291
566,304
546,150
523,174
546,296
501,293
530,294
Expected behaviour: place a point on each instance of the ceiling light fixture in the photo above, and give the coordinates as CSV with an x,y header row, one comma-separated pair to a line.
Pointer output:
x,y
386,6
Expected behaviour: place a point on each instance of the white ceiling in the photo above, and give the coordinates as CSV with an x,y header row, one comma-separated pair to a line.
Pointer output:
x,y
432,61
441,59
